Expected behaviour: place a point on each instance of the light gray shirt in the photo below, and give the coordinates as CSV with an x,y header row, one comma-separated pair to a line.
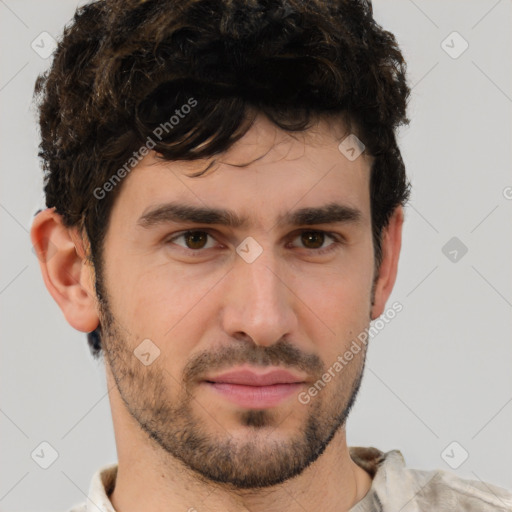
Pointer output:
x,y
395,488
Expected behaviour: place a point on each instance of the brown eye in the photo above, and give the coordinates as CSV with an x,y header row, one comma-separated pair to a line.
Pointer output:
x,y
314,242
313,239
195,239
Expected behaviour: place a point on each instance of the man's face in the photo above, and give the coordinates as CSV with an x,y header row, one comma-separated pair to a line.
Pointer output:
x,y
209,308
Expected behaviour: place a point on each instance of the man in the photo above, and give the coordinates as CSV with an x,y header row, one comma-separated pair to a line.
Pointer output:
x,y
225,206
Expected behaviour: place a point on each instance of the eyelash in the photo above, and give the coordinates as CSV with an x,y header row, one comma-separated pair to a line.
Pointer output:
x,y
337,240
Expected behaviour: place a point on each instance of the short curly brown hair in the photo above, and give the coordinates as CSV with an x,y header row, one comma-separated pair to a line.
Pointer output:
x,y
124,66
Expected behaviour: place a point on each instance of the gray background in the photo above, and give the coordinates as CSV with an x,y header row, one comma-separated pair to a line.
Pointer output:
x,y
438,373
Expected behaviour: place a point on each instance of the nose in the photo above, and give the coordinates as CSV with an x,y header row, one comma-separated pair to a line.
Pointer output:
x,y
259,300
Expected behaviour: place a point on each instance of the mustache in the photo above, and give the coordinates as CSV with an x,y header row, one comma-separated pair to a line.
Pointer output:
x,y
282,353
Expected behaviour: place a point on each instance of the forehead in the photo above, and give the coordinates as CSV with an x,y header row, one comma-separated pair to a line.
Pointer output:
x,y
264,175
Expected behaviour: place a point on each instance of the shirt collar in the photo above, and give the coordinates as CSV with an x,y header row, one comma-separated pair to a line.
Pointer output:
x,y
102,485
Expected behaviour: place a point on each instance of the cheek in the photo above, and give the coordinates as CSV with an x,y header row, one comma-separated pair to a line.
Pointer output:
x,y
164,305
338,304
341,304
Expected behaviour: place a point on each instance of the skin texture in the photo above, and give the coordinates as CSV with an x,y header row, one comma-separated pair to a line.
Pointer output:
x,y
179,443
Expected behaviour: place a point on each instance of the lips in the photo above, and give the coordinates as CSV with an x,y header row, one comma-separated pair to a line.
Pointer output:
x,y
251,389
247,377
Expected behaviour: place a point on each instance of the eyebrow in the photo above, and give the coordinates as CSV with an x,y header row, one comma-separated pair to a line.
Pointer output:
x,y
178,212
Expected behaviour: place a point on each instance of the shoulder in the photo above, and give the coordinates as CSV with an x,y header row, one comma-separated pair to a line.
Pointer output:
x,y
447,491
396,487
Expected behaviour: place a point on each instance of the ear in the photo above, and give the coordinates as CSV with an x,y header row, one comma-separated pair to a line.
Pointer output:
x,y
67,274
391,244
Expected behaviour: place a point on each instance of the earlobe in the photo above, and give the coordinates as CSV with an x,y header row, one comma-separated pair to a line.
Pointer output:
x,y
66,272
391,245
